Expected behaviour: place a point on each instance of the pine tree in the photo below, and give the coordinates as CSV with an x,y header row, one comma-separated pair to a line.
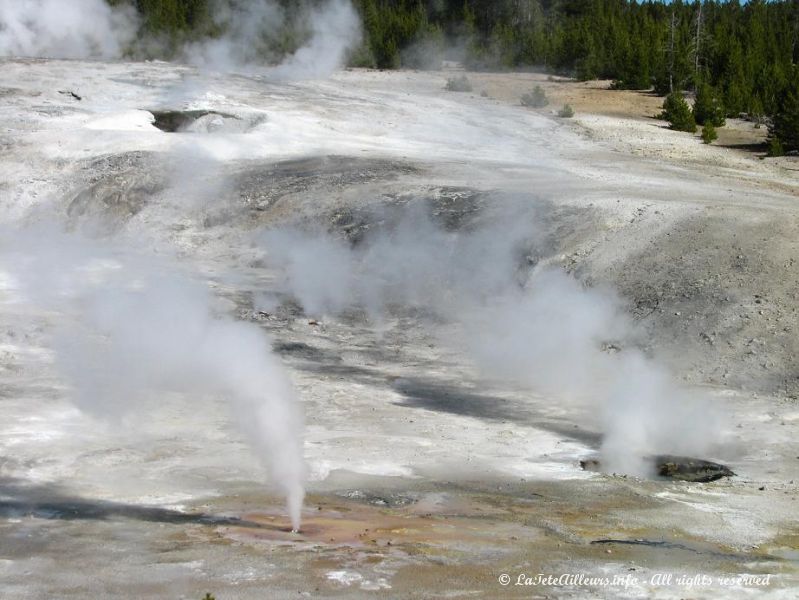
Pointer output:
x,y
709,133
708,107
785,123
677,112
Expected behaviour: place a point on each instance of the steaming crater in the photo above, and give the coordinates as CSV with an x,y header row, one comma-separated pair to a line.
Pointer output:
x,y
203,121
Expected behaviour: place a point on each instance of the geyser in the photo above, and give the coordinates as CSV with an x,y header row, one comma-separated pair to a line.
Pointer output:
x,y
129,328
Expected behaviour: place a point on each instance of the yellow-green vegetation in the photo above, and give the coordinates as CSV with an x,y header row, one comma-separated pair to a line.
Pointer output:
x,y
567,112
535,99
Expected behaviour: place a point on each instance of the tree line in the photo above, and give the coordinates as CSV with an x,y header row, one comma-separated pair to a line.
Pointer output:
x,y
744,56
747,55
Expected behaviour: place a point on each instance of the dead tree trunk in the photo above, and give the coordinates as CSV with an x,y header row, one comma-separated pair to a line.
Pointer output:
x,y
698,40
672,29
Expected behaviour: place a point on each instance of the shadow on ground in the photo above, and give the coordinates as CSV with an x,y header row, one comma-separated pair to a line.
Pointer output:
x,y
50,501
453,399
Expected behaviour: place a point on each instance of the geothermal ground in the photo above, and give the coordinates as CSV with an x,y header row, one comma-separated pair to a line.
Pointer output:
x,y
443,433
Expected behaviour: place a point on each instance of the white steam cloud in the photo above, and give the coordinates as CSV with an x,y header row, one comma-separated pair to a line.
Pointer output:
x,y
573,344
80,29
91,29
131,329
334,28
411,262
247,26
534,326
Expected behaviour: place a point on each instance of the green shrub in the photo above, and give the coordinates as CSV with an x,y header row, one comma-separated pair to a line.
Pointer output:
x,y
708,107
567,112
677,112
775,147
458,84
536,99
709,132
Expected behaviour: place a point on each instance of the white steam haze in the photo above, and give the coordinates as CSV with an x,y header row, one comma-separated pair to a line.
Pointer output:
x,y
334,30
141,328
533,326
129,328
91,29
246,25
65,28
411,262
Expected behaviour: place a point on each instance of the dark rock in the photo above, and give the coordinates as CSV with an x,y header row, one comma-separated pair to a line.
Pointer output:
x,y
590,464
680,468
70,93
684,468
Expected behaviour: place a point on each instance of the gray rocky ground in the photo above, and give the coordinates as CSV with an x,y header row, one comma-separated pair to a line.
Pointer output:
x,y
426,478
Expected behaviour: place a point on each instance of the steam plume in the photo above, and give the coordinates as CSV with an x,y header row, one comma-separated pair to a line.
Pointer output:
x,y
537,326
335,30
91,29
249,27
65,29
134,328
